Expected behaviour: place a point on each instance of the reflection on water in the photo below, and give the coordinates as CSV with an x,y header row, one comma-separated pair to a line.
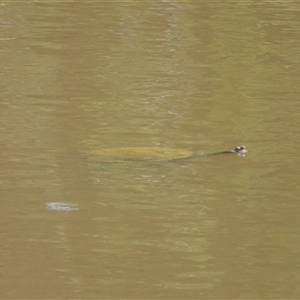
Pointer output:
x,y
82,76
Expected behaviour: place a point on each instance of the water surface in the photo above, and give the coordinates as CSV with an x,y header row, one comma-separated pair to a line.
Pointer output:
x,y
80,76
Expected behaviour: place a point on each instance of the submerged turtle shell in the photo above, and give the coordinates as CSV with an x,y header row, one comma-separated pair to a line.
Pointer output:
x,y
140,154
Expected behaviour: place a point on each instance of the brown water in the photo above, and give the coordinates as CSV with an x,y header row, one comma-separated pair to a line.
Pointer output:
x,y
206,76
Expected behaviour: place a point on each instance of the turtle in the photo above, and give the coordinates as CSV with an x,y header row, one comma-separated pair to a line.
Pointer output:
x,y
123,154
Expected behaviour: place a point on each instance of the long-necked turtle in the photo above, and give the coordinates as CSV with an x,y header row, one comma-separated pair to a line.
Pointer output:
x,y
152,154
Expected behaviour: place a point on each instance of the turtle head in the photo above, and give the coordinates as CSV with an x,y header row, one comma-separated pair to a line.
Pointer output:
x,y
239,149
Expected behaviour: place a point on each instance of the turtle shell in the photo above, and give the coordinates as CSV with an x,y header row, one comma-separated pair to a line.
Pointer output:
x,y
140,154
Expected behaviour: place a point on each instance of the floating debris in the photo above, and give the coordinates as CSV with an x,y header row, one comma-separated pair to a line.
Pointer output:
x,y
61,206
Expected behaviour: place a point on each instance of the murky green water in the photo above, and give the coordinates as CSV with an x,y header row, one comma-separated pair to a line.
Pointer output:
x,y
205,76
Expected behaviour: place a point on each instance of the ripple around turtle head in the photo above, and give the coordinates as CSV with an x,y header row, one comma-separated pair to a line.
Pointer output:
x,y
61,206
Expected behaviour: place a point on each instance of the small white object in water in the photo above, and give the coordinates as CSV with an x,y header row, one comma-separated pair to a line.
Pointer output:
x,y
61,206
